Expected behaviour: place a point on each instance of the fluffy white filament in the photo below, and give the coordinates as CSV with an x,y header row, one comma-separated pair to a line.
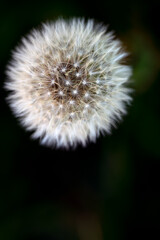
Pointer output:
x,y
67,82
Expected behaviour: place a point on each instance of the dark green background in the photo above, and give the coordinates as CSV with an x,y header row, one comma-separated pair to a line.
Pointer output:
x,y
109,190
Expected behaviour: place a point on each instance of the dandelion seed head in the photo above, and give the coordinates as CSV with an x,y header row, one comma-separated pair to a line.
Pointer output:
x,y
76,64
78,74
52,81
71,102
97,81
75,92
67,82
84,82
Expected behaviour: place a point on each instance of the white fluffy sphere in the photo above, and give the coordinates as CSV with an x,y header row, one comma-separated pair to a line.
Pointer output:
x,y
67,82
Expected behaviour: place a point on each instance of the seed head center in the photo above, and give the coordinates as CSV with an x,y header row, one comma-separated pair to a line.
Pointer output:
x,y
68,84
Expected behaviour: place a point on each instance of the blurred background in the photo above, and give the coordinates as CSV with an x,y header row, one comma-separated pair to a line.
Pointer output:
x,y
109,190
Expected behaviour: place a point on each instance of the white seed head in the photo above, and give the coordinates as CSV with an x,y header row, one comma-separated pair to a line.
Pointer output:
x,y
87,105
86,95
90,73
76,64
97,81
78,74
84,82
52,81
67,82
61,93
63,69
71,102
75,92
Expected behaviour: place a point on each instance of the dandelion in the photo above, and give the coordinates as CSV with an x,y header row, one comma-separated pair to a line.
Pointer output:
x,y
67,82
